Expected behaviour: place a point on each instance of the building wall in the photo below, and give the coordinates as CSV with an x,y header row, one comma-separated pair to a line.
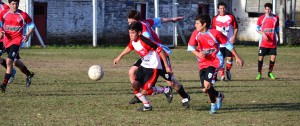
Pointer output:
x,y
70,21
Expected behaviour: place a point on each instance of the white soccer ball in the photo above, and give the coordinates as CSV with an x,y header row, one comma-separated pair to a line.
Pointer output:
x,y
96,72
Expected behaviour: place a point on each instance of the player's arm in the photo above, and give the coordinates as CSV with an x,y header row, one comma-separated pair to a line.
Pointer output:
x,y
125,52
235,31
175,19
30,25
192,43
228,45
259,30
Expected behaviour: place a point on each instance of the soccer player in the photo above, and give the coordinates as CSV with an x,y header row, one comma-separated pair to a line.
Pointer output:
x,y
209,58
135,16
12,23
153,60
267,26
226,24
3,6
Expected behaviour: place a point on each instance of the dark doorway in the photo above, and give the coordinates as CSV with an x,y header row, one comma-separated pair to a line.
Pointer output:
x,y
40,21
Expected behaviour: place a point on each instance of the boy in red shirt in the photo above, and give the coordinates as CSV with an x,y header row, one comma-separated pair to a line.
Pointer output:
x,y
207,42
153,60
12,23
268,27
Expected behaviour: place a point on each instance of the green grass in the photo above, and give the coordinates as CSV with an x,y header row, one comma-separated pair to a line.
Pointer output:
x,y
62,94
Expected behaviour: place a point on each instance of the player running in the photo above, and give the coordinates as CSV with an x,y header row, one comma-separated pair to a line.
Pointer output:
x,y
153,61
12,23
209,58
267,26
226,24
135,16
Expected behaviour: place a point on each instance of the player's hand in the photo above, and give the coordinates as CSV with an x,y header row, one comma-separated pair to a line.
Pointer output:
x,y
2,34
265,36
117,60
201,54
168,70
239,62
177,19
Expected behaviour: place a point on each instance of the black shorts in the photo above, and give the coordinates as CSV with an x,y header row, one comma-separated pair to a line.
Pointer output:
x,y
147,77
267,51
163,73
2,48
209,74
225,52
13,52
137,63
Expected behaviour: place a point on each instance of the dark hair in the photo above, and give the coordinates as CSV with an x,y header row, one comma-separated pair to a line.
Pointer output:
x,y
221,4
269,5
9,1
137,26
204,19
136,15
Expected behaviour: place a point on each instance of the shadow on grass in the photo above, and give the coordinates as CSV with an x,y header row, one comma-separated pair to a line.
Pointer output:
x,y
254,107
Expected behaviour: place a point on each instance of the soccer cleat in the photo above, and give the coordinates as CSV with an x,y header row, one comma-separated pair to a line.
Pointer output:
x,y
12,77
134,100
186,102
258,77
228,75
169,94
28,79
213,108
219,100
144,108
222,78
3,88
271,75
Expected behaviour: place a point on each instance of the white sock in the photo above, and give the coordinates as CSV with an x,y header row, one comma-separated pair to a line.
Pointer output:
x,y
144,99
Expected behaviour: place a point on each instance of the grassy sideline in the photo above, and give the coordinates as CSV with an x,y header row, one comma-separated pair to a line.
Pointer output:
x,y
62,94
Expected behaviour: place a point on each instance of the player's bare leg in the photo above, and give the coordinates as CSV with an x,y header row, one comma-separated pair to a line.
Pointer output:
x,y
132,71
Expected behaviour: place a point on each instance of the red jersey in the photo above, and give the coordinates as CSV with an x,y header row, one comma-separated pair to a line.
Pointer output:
x,y
268,25
3,6
148,31
208,42
225,24
148,51
13,25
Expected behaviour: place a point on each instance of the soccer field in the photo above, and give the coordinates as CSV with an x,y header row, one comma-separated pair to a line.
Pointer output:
x,y
62,94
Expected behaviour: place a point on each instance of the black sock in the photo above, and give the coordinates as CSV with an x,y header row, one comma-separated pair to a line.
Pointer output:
x,y
260,64
271,65
6,78
4,63
25,71
212,93
182,92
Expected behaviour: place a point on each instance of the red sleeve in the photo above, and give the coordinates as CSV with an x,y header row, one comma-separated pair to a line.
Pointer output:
x,y
27,18
213,24
234,23
149,21
220,37
259,20
5,6
130,45
1,19
193,41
